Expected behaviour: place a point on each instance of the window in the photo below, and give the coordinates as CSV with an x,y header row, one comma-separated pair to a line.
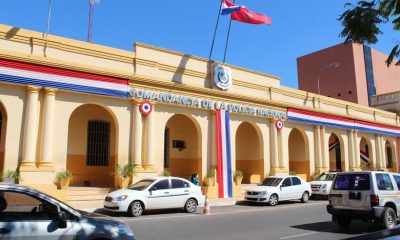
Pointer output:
x,y
163,184
352,182
397,178
179,184
296,181
389,161
16,206
384,182
98,143
166,148
286,182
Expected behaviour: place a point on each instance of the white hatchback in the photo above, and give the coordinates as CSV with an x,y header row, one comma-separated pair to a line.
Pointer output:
x,y
155,193
277,188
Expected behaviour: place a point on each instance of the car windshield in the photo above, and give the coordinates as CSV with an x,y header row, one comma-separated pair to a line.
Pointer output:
x,y
141,184
325,177
352,182
271,182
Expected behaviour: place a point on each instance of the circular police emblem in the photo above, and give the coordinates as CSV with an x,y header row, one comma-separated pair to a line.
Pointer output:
x,y
222,77
279,124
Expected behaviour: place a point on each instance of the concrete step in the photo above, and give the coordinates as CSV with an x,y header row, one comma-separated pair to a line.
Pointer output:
x,y
87,197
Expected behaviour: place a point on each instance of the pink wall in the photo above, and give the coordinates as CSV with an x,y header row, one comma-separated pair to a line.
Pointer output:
x,y
347,82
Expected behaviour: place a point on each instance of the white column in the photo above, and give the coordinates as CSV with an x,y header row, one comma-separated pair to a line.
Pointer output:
x,y
378,152
283,152
274,145
383,153
317,146
149,146
30,129
356,150
137,137
48,129
324,151
351,149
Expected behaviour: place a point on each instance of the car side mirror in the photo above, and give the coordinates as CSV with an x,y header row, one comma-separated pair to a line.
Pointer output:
x,y
62,219
152,189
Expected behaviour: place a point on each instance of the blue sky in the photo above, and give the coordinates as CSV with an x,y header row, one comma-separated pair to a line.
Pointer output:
x,y
298,28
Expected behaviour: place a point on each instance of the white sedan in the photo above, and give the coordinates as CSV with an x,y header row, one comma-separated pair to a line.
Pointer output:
x,y
277,188
155,193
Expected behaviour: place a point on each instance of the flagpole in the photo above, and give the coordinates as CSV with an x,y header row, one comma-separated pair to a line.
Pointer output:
x,y
48,27
227,36
215,31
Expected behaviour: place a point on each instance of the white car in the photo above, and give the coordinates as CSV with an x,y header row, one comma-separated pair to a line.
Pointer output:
x,y
155,193
279,188
322,184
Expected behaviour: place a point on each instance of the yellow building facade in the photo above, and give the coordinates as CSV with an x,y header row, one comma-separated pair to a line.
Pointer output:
x,y
67,104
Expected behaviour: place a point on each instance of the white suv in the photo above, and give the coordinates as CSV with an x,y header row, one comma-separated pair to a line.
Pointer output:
x,y
322,184
365,195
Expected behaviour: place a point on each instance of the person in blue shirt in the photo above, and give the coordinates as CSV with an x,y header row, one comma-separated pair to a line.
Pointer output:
x,y
195,179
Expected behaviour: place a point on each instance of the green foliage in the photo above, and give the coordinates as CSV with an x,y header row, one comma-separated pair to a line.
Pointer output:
x,y
124,170
316,173
364,166
10,174
361,23
211,173
63,175
165,173
292,173
238,173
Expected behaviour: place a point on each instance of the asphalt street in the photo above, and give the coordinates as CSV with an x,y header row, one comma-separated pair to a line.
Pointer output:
x,y
291,220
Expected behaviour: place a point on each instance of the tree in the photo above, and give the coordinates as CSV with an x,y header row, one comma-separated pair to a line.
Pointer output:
x,y
361,23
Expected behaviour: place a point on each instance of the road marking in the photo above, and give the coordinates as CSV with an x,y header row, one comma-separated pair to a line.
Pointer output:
x,y
298,235
279,207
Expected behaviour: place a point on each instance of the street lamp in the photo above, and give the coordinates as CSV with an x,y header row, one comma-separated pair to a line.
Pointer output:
x,y
331,65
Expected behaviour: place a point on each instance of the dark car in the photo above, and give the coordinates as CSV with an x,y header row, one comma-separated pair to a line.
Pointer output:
x,y
26,213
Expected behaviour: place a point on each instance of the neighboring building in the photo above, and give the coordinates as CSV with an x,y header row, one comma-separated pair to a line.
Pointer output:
x,y
360,75
68,104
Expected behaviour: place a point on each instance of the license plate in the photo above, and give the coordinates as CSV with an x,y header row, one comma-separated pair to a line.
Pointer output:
x,y
336,200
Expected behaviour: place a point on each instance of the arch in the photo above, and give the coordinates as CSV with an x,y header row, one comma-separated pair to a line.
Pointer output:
x,y
365,154
182,146
92,145
299,154
336,152
249,158
390,156
3,131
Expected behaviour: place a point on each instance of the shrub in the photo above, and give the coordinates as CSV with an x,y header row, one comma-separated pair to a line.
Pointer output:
x,y
124,170
238,173
292,173
165,173
10,174
211,173
63,175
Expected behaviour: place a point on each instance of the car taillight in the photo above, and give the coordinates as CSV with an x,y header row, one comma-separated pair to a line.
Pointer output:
x,y
374,200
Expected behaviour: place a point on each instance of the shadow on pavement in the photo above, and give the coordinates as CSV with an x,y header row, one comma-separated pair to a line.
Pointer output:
x,y
356,227
262,204
149,212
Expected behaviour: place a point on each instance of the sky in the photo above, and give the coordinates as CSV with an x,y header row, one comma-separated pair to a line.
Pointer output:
x,y
298,28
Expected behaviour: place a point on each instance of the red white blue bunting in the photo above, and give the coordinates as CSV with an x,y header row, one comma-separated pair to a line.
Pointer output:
x,y
224,165
297,115
45,76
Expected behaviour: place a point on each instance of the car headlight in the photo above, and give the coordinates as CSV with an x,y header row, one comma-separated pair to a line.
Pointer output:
x,y
123,229
121,198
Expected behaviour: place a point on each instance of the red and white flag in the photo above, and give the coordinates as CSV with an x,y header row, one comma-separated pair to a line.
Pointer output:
x,y
247,16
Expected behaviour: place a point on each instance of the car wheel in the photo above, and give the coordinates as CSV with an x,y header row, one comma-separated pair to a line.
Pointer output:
x,y
305,197
191,205
273,200
389,219
343,222
136,209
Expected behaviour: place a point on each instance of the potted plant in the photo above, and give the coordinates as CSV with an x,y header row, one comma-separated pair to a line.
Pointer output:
x,y
165,173
238,177
210,178
10,176
316,174
123,174
292,173
63,178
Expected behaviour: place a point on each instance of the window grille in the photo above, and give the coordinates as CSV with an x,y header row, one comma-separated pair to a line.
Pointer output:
x,y
166,148
98,143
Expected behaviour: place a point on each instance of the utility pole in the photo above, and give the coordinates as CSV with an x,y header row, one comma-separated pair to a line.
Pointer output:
x,y
91,16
